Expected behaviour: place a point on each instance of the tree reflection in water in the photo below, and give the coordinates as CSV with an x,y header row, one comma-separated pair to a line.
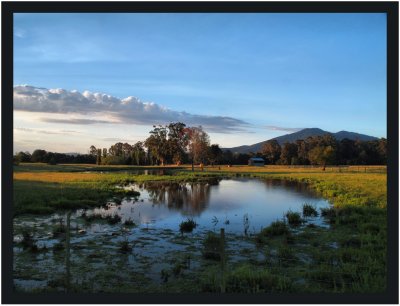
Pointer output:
x,y
189,198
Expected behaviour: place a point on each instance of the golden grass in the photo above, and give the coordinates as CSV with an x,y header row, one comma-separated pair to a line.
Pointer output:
x,y
57,177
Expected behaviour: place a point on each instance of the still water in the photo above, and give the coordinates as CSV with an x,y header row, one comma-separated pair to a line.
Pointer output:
x,y
228,203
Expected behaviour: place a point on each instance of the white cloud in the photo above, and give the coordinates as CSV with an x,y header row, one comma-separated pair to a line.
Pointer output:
x,y
284,129
129,110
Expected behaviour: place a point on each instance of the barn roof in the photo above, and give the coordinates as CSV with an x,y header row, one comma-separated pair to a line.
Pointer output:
x,y
257,159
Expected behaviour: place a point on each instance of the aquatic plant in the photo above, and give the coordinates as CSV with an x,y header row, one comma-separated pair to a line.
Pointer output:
x,y
187,226
211,246
125,247
112,219
129,222
246,224
276,228
309,210
28,242
294,218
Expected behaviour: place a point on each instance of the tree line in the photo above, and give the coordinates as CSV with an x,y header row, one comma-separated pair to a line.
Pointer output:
x,y
177,144
174,143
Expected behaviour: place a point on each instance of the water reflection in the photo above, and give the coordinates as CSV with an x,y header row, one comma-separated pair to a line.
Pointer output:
x,y
188,198
165,205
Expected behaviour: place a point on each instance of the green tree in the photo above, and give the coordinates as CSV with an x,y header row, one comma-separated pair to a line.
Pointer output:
x,y
198,144
322,155
92,150
288,153
157,143
215,154
138,153
271,150
177,141
98,158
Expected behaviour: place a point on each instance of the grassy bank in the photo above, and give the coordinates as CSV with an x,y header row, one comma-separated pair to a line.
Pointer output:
x,y
40,188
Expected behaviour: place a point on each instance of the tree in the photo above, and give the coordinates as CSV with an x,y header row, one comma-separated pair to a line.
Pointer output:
x,y
38,156
126,149
92,150
322,155
104,152
382,150
177,141
138,153
215,154
23,157
116,150
302,152
98,159
271,150
198,144
157,143
288,153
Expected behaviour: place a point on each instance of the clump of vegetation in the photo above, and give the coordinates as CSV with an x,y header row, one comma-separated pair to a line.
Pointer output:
x,y
285,256
246,224
113,219
276,228
164,275
59,246
129,222
59,229
177,269
92,217
329,214
309,210
246,279
187,226
294,218
211,246
28,242
125,247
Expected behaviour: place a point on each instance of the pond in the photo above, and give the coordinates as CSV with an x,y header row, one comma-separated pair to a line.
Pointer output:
x,y
241,206
225,203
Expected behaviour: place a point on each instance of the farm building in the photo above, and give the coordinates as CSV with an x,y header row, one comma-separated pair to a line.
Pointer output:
x,y
256,161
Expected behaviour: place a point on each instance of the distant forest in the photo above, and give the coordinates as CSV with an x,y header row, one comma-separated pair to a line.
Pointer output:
x,y
177,144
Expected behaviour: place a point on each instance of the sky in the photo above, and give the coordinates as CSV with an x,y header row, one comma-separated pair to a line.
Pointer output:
x,y
97,79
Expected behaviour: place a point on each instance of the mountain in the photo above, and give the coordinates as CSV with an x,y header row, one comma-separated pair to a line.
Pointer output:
x,y
303,134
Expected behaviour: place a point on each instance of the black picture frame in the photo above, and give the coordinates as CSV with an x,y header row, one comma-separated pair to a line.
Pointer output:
x,y
390,8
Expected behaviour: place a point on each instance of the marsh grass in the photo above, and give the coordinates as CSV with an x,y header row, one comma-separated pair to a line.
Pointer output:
x,y
294,218
187,226
348,256
309,210
211,246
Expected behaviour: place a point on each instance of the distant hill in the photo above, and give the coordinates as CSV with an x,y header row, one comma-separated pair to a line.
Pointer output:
x,y
303,134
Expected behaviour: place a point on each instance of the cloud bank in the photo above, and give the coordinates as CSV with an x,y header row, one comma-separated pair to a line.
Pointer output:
x,y
129,110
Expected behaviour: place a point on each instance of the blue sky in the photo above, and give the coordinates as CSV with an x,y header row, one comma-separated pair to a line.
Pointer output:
x,y
244,77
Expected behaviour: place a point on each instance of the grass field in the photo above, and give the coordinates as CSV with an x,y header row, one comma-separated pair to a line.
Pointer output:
x,y
357,231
